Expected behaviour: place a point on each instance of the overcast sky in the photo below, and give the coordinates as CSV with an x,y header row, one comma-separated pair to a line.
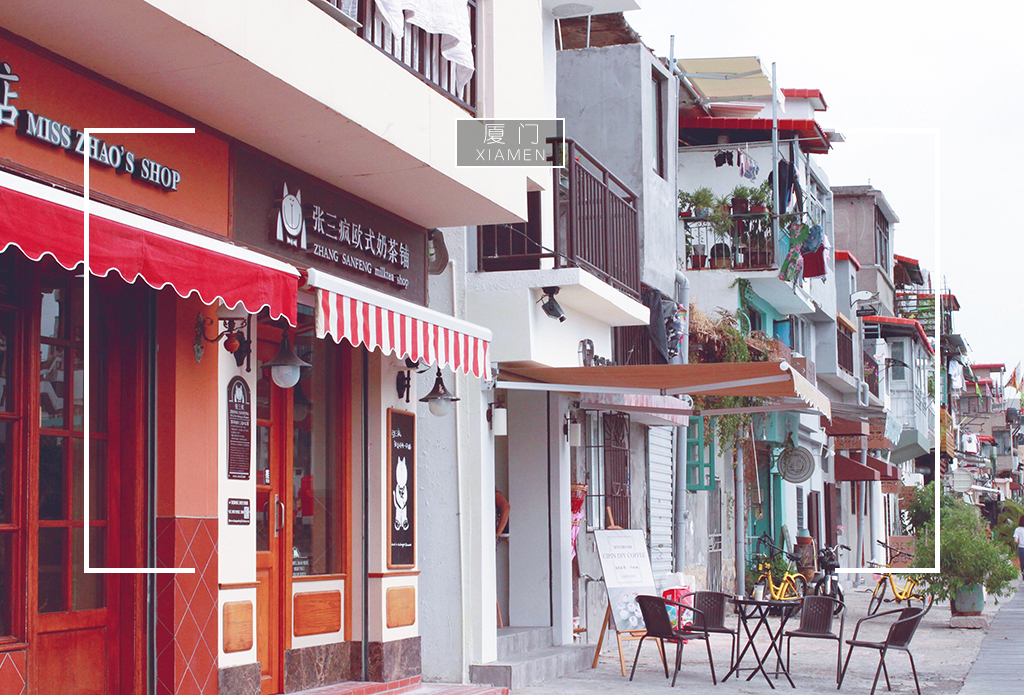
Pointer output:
x,y
929,96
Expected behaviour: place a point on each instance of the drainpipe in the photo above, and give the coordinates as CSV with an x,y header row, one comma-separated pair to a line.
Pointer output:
x,y
680,512
741,525
775,163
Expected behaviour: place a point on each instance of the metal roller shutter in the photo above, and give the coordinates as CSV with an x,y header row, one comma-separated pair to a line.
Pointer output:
x,y
660,478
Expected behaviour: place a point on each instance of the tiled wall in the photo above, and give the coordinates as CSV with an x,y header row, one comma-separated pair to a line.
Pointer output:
x,y
186,631
12,673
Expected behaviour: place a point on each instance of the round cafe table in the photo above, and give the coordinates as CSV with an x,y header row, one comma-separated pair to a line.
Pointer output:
x,y
750,610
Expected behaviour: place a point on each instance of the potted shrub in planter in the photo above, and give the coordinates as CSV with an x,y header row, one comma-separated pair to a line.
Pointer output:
x,y
722,227
685,204
702,201
698,257
740,200
970,564
760,199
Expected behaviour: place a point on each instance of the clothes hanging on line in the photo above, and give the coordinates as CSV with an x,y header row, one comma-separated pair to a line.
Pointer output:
x,y
723,157
748,167
789,187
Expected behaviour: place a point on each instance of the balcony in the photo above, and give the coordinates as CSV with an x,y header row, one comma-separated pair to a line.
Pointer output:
x,y
917,304
418,51
596,223
739,242
871,374
361,110
844,348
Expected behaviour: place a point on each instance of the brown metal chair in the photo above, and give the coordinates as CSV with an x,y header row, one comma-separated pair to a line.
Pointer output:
x,y
712,607
659,626
817,617
899,636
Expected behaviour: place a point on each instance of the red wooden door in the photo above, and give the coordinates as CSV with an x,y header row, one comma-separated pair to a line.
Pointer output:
x,y
273,528
74,641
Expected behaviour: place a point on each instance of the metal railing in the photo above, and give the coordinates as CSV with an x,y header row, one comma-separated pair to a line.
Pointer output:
x,y
417,51
596,221
747,244
917,304
844,347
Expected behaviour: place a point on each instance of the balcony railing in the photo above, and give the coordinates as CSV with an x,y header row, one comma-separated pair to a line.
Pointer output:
x,y
871,373
920,305
597,224
844,347
417,51
743,242
597,228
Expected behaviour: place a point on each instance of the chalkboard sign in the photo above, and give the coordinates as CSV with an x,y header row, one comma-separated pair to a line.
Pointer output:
x,y
401,489
239,429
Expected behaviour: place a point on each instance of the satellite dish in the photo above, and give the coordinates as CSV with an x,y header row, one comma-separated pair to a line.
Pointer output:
x,y
796,464
437,252
962,480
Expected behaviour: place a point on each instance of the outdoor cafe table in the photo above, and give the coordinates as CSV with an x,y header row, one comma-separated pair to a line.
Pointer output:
x,y
749,609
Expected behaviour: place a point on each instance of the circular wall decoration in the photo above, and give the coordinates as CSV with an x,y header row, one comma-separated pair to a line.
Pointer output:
x,y
796,465
962,480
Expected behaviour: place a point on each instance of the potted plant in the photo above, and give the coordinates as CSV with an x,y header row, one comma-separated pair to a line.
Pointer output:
x,y
760,199
969,563
722,227
685,204
698,257
702,201
740,200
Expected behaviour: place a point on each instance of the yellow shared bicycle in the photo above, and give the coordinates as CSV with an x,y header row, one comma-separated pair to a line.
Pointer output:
x,y
908,591
789,586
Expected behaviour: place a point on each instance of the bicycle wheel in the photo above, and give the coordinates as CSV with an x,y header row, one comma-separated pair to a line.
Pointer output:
x,y
837,594
877,596
800,585
821,587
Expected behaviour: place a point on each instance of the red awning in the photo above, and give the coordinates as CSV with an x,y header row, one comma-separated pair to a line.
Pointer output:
x,y
886,471
812,137
53,223
361,316
848,469
911,324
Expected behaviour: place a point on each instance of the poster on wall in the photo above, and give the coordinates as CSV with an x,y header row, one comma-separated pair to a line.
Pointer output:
x,y
627,574
239,429
401,489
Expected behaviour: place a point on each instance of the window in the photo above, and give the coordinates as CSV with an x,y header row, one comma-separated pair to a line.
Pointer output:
x,y
899,367
881,240
658,122
800,508
700,456
754,320
607,452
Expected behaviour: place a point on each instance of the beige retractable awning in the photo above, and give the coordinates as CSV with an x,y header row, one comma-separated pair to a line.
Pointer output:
x,y
755,379
724,79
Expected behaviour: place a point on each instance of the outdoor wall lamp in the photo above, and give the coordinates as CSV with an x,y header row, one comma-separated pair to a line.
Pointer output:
x,y
285,368
403,382
236,341
550,305
440,398
497,418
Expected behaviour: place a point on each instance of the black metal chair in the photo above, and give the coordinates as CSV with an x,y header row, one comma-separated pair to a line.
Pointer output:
x,y
899,636
659,626
816,620
712,607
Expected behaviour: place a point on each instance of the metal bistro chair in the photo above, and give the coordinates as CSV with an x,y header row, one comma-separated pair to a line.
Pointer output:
x,y
660,627
899,636
712,608
817,616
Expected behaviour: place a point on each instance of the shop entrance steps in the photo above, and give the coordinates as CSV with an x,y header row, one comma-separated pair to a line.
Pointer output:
x,y
527,655
408,686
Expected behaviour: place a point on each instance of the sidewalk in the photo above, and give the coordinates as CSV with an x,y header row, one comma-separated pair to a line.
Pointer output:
x,y
1000,666
943,657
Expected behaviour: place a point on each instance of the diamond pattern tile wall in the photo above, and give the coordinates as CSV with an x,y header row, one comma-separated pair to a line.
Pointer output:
x,y
12,673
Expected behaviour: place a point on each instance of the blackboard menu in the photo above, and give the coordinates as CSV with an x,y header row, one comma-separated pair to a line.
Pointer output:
x,y
239,429
402,489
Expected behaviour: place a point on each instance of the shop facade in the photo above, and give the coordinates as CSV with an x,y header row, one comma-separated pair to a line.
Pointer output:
x,y
290,491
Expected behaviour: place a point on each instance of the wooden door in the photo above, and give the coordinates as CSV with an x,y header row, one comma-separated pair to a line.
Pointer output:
x,y
74,640
273,530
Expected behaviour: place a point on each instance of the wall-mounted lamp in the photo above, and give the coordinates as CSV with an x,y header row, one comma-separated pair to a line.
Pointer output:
x,y
573,430
440,398
236,341
550,306
403,382
285,368
497,417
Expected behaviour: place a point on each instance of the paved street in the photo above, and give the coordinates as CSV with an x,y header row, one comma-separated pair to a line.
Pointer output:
x,y
943,657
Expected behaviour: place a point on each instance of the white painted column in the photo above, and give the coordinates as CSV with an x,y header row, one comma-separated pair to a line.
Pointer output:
x,y
561,523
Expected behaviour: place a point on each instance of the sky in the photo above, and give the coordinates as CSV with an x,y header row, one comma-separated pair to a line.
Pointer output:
x,y
929,96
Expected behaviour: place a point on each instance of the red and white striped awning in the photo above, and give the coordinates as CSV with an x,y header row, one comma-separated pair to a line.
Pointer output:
x,y
361,316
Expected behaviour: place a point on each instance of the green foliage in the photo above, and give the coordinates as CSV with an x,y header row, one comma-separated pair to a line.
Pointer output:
x,y
966,555
761,195
1010,512
743,192
703,197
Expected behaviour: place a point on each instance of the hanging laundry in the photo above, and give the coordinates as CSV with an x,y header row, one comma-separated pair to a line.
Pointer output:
x,y
723,157
789,187
814,263
792,263
814,241
748,167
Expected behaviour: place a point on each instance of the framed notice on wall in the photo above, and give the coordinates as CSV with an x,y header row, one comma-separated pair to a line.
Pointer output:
x,y
401,489
239,429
